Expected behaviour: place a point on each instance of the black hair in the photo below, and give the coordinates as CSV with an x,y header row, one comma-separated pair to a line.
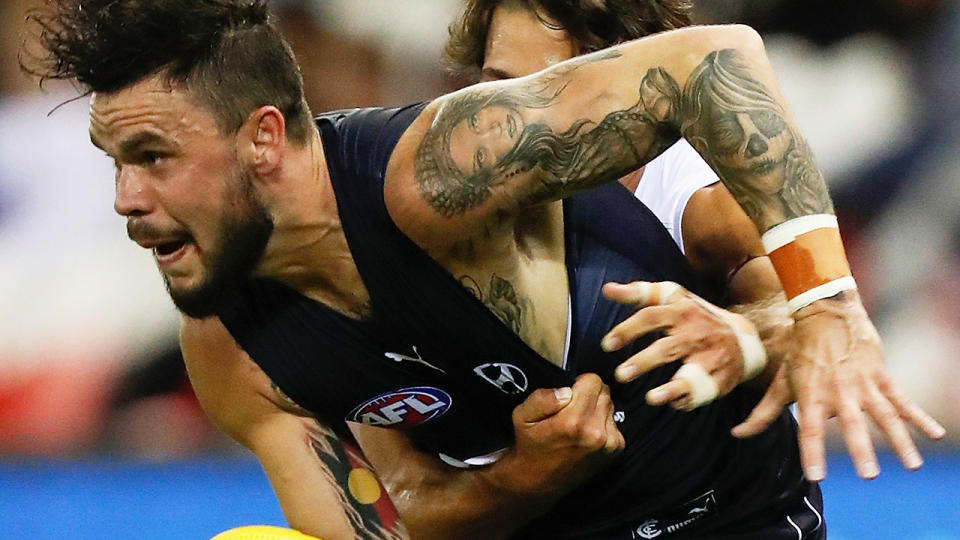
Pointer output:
x,y
228,54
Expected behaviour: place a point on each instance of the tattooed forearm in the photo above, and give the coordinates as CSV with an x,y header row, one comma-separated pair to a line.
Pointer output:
x,y
363,499
501,298
741,130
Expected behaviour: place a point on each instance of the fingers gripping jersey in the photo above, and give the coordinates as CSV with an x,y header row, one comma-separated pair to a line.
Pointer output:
x,y
433,360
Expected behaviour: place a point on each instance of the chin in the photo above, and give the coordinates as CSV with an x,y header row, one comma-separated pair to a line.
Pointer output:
x,y
197,301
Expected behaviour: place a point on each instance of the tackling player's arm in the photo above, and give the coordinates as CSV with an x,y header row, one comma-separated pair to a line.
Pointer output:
x,y
307,463
476,157
561,438
492,149
722,242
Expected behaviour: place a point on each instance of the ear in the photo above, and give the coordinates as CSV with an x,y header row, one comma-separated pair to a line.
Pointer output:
x,y
263,140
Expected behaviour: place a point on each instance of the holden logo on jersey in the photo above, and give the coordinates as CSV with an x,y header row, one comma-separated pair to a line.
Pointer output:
x,y
403,408
507,377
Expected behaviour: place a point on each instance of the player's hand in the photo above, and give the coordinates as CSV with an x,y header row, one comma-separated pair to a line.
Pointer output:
x,y
838,370
562,437
706,335
776,397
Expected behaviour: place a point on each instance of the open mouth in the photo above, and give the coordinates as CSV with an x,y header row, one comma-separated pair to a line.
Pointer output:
x,y
164,250
170,252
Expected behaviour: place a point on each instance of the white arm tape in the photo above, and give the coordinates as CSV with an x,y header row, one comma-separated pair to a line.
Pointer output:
x,y
788,231
828,289
703,389
754,355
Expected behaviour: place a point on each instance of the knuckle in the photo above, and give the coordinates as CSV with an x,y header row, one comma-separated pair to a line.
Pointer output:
x,y
593,437
591,380
570,426
540,394
687,309
811,430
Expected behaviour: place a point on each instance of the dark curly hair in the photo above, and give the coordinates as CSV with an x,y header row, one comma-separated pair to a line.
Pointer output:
x,y
228,54
593,25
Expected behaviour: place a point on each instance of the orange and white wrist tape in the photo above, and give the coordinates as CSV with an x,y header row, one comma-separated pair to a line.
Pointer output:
x,y
808,255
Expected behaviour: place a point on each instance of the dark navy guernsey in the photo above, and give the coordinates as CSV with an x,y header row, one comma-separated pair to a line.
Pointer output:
x,y
433,360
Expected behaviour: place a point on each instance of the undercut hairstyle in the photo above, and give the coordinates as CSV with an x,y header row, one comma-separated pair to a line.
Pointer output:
x,y
227,54
592,24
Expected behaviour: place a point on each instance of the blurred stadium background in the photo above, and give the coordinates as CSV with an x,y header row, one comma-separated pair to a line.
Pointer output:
x,y
100,436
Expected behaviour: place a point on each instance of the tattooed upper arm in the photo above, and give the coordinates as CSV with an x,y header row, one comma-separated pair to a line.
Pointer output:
x,y
511,143
507,144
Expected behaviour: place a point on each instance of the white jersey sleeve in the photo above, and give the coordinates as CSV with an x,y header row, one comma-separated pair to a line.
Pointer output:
x,y
669,181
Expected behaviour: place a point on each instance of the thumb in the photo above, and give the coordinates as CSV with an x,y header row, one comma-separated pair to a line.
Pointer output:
x,y
763,414
541,404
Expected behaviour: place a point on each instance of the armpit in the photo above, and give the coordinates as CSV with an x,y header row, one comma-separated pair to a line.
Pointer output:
x,y
285,402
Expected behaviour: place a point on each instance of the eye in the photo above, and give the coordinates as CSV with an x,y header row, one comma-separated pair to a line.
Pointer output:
x,y
768,122
150,158
479,158
727,132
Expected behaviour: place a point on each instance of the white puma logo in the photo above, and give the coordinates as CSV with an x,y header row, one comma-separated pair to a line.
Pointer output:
x,y
397,357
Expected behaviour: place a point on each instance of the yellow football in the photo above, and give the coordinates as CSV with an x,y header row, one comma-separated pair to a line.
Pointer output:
x,y
262,532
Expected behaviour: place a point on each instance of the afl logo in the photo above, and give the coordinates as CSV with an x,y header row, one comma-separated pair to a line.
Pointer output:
x,y
403,408
507,377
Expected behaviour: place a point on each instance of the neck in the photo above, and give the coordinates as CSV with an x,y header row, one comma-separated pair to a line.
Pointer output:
x,y
307,247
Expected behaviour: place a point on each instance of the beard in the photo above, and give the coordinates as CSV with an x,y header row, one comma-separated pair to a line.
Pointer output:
x,y
241,245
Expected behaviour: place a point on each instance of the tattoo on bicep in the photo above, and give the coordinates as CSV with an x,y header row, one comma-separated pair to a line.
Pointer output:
x,y
501,298
734,122
479,140
727,114
365,502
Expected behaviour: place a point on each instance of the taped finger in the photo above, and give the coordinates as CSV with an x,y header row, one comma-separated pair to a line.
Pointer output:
x,y
703,389
644,293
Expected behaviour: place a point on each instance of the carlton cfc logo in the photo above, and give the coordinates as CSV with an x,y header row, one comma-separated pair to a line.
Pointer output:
x,y
403,408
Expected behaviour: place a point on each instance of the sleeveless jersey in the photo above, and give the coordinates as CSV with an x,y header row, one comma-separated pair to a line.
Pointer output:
x,y
433,360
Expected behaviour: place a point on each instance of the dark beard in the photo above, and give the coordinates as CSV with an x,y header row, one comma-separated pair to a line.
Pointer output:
x,y
240,248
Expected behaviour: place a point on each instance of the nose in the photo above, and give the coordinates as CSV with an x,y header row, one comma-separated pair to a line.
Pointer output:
x,y
757,146
131,199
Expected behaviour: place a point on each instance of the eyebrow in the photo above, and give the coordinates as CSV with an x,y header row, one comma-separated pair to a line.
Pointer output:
x,y
497,73
140,139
